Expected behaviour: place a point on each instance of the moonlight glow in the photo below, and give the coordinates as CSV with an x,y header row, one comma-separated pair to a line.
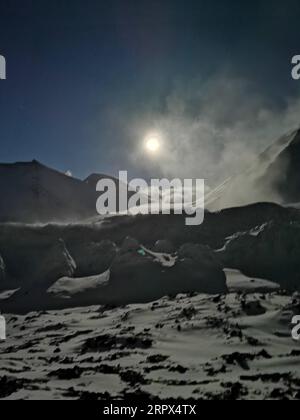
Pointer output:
x,y
153,143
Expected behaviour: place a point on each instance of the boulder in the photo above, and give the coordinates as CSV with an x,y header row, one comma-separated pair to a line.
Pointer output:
x,y
129,245
95,258
138,277
47,266
270,252
164,246
135,278
201,269
54,264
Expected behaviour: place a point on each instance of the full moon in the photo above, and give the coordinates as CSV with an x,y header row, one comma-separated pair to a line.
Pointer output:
x,y
153,143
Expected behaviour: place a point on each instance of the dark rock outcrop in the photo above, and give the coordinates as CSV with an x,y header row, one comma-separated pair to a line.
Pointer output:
x,y
137,276
56,263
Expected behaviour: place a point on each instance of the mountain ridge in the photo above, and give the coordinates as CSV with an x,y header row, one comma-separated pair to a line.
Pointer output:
x,y
36,193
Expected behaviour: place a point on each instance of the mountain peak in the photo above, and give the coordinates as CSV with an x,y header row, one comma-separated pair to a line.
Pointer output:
x,y
36,193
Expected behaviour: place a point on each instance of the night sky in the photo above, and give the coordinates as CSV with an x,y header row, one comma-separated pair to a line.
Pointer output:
x,y
87,79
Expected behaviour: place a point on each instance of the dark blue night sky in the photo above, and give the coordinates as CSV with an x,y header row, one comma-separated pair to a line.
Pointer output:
x,y
82,73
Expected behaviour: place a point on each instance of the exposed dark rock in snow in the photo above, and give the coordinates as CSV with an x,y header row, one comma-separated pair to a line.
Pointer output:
x,y
104,343
10,385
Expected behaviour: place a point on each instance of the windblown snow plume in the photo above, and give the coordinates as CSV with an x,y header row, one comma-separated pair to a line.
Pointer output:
x,y
213,130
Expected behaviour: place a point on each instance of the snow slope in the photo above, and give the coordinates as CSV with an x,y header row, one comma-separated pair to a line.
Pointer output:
x,y
201,347
272,177
238,282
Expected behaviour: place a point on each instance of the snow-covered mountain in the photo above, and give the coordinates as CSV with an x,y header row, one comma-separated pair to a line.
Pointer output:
x,y
273,177
93,179
32,192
